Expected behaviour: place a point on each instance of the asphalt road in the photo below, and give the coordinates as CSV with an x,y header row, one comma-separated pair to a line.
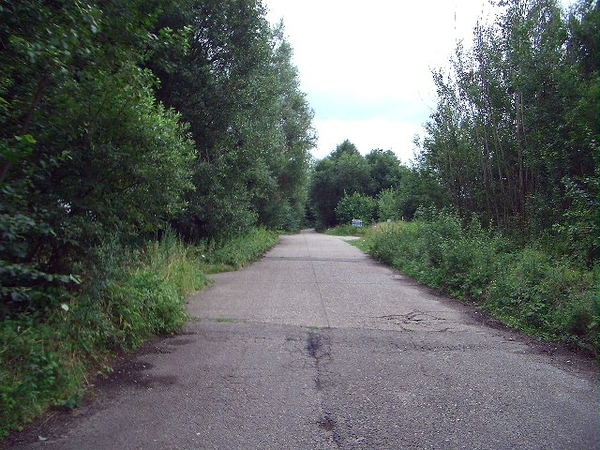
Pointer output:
x,y
316,346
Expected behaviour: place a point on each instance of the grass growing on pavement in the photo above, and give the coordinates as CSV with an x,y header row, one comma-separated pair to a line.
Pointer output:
x,y
226,320
48,356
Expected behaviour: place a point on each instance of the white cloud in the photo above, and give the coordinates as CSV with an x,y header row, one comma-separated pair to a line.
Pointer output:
x,y
366,66
367,135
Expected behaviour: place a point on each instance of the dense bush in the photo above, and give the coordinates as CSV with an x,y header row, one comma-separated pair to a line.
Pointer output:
x,y
540,294
46,354
237,252
355,206
524,287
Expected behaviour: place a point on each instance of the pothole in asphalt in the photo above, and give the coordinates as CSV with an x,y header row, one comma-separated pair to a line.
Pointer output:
x,y
313,344
413,317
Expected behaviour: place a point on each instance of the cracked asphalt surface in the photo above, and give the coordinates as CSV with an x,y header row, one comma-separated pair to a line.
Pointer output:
x,y
317,346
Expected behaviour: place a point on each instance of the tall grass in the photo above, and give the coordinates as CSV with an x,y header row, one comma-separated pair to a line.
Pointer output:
x,y
237,252
525,288
346,230
47,356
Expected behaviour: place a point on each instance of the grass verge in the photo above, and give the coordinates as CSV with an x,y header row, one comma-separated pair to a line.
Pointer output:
x,y
525,288
48,355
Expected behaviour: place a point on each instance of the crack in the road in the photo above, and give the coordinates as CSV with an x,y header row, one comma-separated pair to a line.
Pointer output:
x,y
420,319
326,423
318,286
318,346
413,317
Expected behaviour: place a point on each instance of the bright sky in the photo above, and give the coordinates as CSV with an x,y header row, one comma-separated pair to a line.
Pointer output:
x,y
366,65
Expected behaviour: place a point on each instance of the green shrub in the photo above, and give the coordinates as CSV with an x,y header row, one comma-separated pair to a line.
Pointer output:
x,y
47,354
550,298
237,252
397,244
142,306
355,206
525,288
37,367
388,207
177,263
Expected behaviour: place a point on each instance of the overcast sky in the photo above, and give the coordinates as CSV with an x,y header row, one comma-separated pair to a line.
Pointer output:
x,y
366,65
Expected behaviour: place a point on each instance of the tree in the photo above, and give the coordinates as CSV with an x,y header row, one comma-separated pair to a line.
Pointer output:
x,y
345,148
237,88
387,205
289,162
419,189
85,150
344,172
515,132
385,168
355,206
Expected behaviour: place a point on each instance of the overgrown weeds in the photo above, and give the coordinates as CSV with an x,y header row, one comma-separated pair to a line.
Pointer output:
x,y
237,252
346,230
526,288
47,355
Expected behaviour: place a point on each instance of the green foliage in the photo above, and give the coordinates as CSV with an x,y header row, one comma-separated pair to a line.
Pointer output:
x,y
420,189
36,369
355,206
237,252
399,190
47,356
579,229
514,138
539,294
86,150
344,172
145,152
417,189
527,289
142,306
385,170
237,88
26,285
387,205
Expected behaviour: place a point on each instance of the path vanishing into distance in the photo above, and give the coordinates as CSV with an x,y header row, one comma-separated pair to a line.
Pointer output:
x,y
317,346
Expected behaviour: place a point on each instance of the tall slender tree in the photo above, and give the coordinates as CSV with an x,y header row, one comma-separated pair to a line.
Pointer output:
x,y
513,137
